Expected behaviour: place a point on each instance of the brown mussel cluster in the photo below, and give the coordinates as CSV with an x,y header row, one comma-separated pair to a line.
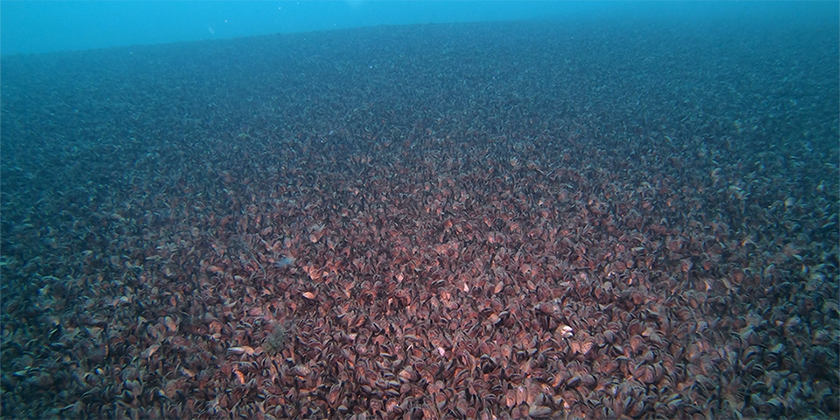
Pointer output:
x,y
475,227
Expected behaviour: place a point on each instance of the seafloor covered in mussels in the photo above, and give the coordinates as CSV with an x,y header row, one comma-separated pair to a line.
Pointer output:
x,y
546,220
